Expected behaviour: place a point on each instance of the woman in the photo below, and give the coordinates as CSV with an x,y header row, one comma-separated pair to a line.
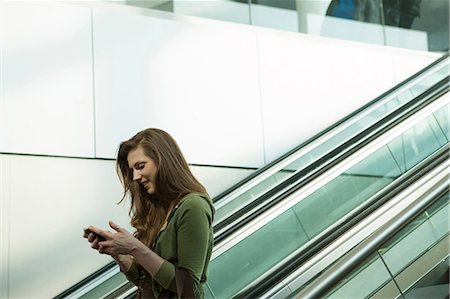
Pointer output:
x,y
168,255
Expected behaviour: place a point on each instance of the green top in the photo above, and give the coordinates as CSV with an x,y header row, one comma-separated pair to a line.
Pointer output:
x,y
187,242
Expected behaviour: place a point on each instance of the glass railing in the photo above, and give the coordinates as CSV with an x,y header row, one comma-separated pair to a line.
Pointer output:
x,y
313,151
256,254
413,264
413,24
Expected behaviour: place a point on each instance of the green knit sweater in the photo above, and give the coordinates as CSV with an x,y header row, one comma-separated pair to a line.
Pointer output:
x,y
186,242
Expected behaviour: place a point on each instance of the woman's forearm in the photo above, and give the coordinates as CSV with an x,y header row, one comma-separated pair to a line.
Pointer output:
x,y
124,262
147,258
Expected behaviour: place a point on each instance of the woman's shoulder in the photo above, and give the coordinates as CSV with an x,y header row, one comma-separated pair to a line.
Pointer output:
x,y
196,201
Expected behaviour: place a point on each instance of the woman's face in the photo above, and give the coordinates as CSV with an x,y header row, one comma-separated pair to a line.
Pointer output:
x,y
143,168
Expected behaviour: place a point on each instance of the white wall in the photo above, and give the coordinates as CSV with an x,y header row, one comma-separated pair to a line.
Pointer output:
x,y
228,93
47,80
47,202
77,80
178,76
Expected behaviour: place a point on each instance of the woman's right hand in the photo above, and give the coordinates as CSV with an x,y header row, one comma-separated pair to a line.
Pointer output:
x,y
92,238
124,261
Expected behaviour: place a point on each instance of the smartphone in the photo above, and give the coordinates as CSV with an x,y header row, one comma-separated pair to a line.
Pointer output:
x,y
100,238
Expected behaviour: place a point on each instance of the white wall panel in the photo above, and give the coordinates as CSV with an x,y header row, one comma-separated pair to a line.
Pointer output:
x,y
309,84
47,95
51,200
4,225
198,82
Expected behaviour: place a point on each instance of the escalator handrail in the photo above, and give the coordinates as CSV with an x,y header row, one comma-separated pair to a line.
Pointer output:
x,y
333,275
285,268
317,168
327,130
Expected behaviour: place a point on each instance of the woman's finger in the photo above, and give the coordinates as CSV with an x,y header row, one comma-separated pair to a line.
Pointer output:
x,y
114,226
104,233
94,244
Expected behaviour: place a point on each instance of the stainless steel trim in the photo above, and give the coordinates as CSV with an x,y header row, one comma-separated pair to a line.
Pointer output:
x,y
111,293
127,293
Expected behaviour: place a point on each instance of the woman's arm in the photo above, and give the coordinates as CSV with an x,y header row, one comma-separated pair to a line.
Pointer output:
x,y
147,258
192,220
122,245
124,261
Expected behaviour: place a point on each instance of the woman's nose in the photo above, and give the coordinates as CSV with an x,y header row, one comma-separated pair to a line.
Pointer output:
x,y
136,175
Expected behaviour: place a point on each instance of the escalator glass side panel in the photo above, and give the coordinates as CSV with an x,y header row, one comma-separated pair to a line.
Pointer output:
x,y
250,195
364,282
430,80
336,199
442,116
103,289
409,244
232,270
208,292
385,106
434,285
415,238
256,254
417,143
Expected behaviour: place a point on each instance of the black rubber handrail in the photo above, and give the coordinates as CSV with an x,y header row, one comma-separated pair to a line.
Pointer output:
x,y
315,246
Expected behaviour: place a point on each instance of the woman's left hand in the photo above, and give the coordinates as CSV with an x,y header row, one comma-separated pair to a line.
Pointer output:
x,y
121,242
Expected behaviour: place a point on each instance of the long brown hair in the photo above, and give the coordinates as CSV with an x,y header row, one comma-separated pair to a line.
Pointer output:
x,y
173,181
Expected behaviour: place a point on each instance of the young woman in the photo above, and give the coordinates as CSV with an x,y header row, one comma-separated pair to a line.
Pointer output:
x,y
169,252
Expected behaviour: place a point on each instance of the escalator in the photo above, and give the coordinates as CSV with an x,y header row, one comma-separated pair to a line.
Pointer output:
x,y
319,213
406,257
239,208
